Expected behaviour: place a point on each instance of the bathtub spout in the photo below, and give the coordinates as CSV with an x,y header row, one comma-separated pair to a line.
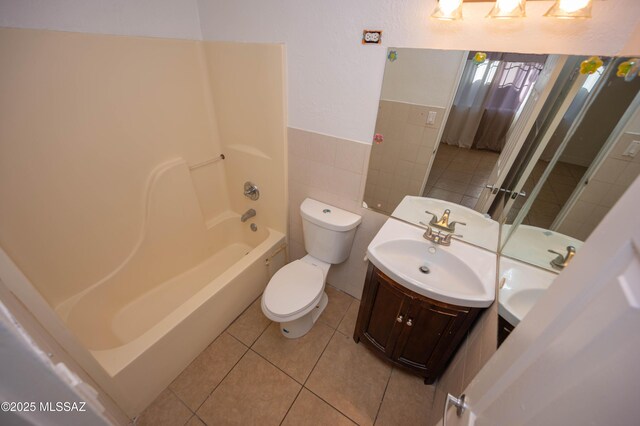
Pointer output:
x,y
248,215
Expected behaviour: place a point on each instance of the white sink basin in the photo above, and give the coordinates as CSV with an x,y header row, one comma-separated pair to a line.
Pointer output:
x,y
522,286
460,274
479,230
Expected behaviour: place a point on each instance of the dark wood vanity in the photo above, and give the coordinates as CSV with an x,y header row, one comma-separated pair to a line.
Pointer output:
x,y
408,329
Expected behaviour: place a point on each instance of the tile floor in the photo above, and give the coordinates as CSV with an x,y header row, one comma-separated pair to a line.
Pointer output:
x,y
251,374
459,175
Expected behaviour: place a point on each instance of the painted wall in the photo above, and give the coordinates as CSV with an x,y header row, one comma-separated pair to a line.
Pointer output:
x,y
154,18
334,81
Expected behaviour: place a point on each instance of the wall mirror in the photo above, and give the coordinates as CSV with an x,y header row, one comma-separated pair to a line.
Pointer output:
x,y
526,140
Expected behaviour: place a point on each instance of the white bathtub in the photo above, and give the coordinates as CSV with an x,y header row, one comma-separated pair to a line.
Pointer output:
x,y
182,284
145,342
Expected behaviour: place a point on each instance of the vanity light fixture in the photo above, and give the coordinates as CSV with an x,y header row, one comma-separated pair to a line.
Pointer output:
x,y
506,9
448,10
570,9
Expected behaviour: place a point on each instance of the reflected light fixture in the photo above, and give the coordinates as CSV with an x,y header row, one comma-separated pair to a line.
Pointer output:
x,y
570,9
505,9
449,10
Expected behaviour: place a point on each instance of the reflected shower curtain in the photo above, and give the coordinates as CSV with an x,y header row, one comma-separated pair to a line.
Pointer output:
x,y
488,98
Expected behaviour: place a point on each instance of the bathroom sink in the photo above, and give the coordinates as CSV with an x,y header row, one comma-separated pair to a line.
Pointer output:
x,y
521,287
460,274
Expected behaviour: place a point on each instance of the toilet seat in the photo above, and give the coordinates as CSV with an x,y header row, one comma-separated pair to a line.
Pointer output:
x,y
292,291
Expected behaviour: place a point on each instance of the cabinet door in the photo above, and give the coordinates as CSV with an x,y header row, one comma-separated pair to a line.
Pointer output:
x,y
385,315
429,336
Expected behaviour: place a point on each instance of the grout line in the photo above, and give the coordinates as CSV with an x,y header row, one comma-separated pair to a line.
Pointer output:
x,y
318,360
314,367
278,368
386,386
225,376
330,405
294,401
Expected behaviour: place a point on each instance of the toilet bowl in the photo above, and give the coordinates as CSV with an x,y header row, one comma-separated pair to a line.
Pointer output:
x,y
295,295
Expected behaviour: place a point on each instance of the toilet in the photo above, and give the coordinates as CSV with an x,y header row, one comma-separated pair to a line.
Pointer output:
x,y
295,295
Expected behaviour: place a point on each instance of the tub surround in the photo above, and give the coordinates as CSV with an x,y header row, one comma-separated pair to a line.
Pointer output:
x,y
116,227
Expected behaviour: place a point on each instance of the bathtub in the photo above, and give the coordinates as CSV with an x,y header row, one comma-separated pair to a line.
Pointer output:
x,y
182,284
145,342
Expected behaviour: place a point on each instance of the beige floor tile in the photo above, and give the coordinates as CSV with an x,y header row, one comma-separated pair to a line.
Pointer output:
x,y
336,308
309,410
296,357
407,400
167,409
250,324
254,392
195,421
201,377
348,324
350,378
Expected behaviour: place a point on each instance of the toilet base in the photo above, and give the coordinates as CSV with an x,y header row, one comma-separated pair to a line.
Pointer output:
x,y
301,326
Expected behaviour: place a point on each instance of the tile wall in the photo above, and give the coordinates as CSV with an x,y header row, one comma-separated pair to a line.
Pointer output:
x,y
605,188
399,164
333,171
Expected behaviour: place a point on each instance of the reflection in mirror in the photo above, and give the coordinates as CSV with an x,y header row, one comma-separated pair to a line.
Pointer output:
x,y
449,126
581,170
587,159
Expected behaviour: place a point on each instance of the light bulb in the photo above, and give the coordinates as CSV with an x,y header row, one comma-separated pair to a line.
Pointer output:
x,y
573,5
448,6
504,9
567,9
449,10
507,6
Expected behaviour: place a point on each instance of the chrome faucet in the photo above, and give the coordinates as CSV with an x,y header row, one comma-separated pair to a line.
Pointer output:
x,y
438,237
443,223
248,215
561,261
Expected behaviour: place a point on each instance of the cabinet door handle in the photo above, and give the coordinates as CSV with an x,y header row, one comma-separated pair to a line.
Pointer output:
x,y
409,322
400,318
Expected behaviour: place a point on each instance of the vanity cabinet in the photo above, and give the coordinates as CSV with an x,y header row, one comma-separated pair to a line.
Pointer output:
x,y
408,329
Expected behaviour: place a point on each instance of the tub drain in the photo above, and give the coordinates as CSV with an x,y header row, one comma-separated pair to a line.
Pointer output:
x,y
424,269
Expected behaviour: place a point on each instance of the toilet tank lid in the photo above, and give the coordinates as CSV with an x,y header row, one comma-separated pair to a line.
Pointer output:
x,y
327,216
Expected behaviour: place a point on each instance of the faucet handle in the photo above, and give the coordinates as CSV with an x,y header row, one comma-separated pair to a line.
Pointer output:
x,y
448,236
434,218
429,232
562,260
454,223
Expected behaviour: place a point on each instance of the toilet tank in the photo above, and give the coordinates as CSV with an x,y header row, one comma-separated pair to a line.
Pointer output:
x,y
328,230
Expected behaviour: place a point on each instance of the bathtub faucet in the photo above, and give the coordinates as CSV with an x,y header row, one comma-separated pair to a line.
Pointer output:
x,y
248,215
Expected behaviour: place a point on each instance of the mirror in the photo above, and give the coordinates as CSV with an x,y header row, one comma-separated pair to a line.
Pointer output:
x,y
448,126
527,141
580,170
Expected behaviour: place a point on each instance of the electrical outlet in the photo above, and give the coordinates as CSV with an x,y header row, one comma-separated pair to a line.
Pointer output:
x,y
371,37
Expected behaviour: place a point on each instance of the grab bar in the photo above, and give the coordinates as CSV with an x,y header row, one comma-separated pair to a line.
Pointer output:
x,y
207,162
